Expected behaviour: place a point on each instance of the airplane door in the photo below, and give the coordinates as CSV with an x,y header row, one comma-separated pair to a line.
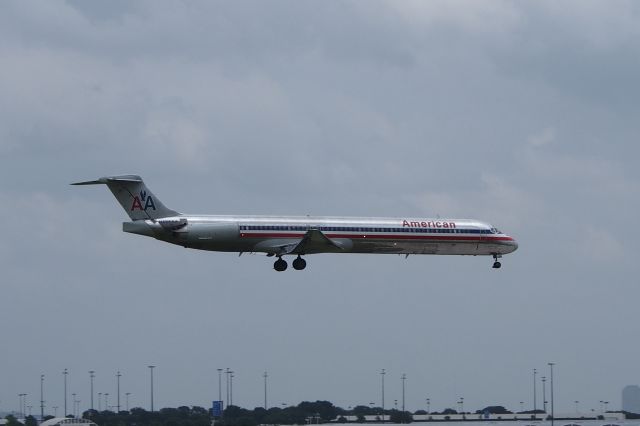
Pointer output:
x,y
480,240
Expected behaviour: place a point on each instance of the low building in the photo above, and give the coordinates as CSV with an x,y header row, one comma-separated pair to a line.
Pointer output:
x,y
631,399
65,421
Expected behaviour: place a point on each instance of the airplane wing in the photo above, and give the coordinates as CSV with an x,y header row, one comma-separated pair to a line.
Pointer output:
x,y
314,241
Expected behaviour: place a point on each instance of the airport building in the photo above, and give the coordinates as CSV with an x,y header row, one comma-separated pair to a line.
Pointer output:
x,y
65,421
631,399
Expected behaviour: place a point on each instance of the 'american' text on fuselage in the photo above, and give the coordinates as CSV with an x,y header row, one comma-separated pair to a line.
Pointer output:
x,y
416,224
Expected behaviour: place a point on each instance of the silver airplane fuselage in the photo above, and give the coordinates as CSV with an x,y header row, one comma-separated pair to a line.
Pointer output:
x,y
350,234
302,235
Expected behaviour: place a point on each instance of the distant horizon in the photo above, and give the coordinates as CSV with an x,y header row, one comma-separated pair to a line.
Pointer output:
x,y
347,408
100,398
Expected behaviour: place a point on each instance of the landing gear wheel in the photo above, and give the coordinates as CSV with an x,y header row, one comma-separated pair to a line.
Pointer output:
x,y
280,265
497,265
299,264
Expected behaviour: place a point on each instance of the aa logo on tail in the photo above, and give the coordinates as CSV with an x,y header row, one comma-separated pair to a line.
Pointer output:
x,y
143,198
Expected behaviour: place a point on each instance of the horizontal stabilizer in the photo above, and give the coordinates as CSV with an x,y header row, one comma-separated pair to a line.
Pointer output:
x,y
106,180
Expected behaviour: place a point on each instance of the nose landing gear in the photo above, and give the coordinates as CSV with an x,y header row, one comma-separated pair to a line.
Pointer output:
x,y
496,264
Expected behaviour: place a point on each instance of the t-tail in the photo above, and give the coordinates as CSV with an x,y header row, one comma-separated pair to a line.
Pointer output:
x,y
134,197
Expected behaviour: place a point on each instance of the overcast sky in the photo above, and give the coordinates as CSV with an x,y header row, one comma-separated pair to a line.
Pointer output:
x,y
521,114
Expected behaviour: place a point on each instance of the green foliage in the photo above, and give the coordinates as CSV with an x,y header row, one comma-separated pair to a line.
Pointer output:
x,y
365,410
322,411
181,416
30,421
12,421
400,417
630,415
303,413
494,409
236,416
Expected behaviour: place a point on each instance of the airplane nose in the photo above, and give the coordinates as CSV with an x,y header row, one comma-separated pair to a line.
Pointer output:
x,y
514,245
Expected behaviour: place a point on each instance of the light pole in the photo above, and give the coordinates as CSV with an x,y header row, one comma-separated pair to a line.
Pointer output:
x,y
606,410
127,395
99,401
382,373
91,376
42,397
151,367
219,384
544,394
55,411
74,404
535,406
231,376
227,373
577,411
106,401
65,373
462,405
118,375
395,404
404,378
428,406
551,364
265,375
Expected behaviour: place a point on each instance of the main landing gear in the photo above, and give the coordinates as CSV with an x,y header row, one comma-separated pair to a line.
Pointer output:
x,y
281,265
496,264
299,263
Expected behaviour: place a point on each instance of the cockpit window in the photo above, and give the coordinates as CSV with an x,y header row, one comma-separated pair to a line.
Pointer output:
x,y
495,231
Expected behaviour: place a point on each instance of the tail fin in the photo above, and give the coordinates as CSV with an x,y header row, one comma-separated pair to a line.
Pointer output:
x,y
134,197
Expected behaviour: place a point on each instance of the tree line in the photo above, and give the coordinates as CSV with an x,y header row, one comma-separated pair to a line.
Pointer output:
x,y
304,413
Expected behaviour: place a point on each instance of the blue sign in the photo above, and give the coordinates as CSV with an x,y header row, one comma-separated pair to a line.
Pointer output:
x,y
217,408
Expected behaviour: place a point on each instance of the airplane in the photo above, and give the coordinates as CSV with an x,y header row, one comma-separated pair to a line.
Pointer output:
x,y
279,236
